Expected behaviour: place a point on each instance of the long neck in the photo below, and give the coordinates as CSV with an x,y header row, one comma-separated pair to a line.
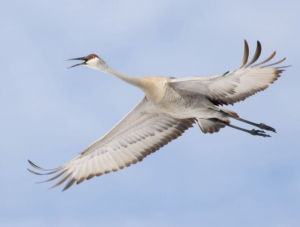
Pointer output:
x,y
135,81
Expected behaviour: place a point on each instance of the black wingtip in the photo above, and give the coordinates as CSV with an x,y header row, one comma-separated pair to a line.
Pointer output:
x,y
287,66
31,171
246,54
34,165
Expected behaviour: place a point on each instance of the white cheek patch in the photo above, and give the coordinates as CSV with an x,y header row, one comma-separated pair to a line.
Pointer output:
x,y
97,63
93,63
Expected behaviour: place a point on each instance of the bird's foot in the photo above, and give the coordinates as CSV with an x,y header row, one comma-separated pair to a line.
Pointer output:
x,y
266,127
255,132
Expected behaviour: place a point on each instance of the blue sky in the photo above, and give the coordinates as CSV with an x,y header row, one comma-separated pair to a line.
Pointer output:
x,y
49,114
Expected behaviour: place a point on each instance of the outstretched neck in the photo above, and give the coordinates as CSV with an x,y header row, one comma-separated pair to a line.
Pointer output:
x,y
135,81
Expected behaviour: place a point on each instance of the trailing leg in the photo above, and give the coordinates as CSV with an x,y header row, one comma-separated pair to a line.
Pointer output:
x,y
261,125
252,132
235,116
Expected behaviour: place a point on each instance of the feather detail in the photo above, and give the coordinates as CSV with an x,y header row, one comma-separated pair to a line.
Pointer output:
x,y
234,86
143,131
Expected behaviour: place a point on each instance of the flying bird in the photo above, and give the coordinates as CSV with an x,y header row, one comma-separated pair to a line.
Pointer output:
x,y
170,107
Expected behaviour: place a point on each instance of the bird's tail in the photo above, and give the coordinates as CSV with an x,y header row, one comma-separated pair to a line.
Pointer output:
x,y
212,125
209,126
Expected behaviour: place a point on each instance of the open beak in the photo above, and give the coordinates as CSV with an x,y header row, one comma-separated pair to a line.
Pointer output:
x,y
85,59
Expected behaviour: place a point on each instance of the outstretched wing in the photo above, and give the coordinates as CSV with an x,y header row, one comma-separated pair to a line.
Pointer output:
x,y
234,86
143,131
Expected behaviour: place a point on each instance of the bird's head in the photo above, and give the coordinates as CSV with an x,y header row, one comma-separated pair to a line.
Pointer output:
x,y
92,61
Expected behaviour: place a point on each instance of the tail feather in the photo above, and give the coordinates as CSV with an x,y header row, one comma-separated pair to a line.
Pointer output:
x,y
209,126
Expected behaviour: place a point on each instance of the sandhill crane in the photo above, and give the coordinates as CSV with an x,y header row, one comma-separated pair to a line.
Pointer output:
x,y
170,107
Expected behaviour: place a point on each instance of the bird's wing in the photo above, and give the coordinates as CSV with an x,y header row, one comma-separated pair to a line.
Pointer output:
x,y
141,132
234,86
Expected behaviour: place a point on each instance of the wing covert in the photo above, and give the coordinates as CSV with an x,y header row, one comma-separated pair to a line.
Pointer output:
x,y
140,133
235,86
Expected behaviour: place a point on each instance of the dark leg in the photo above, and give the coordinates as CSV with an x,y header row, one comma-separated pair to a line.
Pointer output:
x,y
261,125
252,132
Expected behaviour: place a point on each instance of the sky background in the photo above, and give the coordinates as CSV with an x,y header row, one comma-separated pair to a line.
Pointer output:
x,y
50,113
